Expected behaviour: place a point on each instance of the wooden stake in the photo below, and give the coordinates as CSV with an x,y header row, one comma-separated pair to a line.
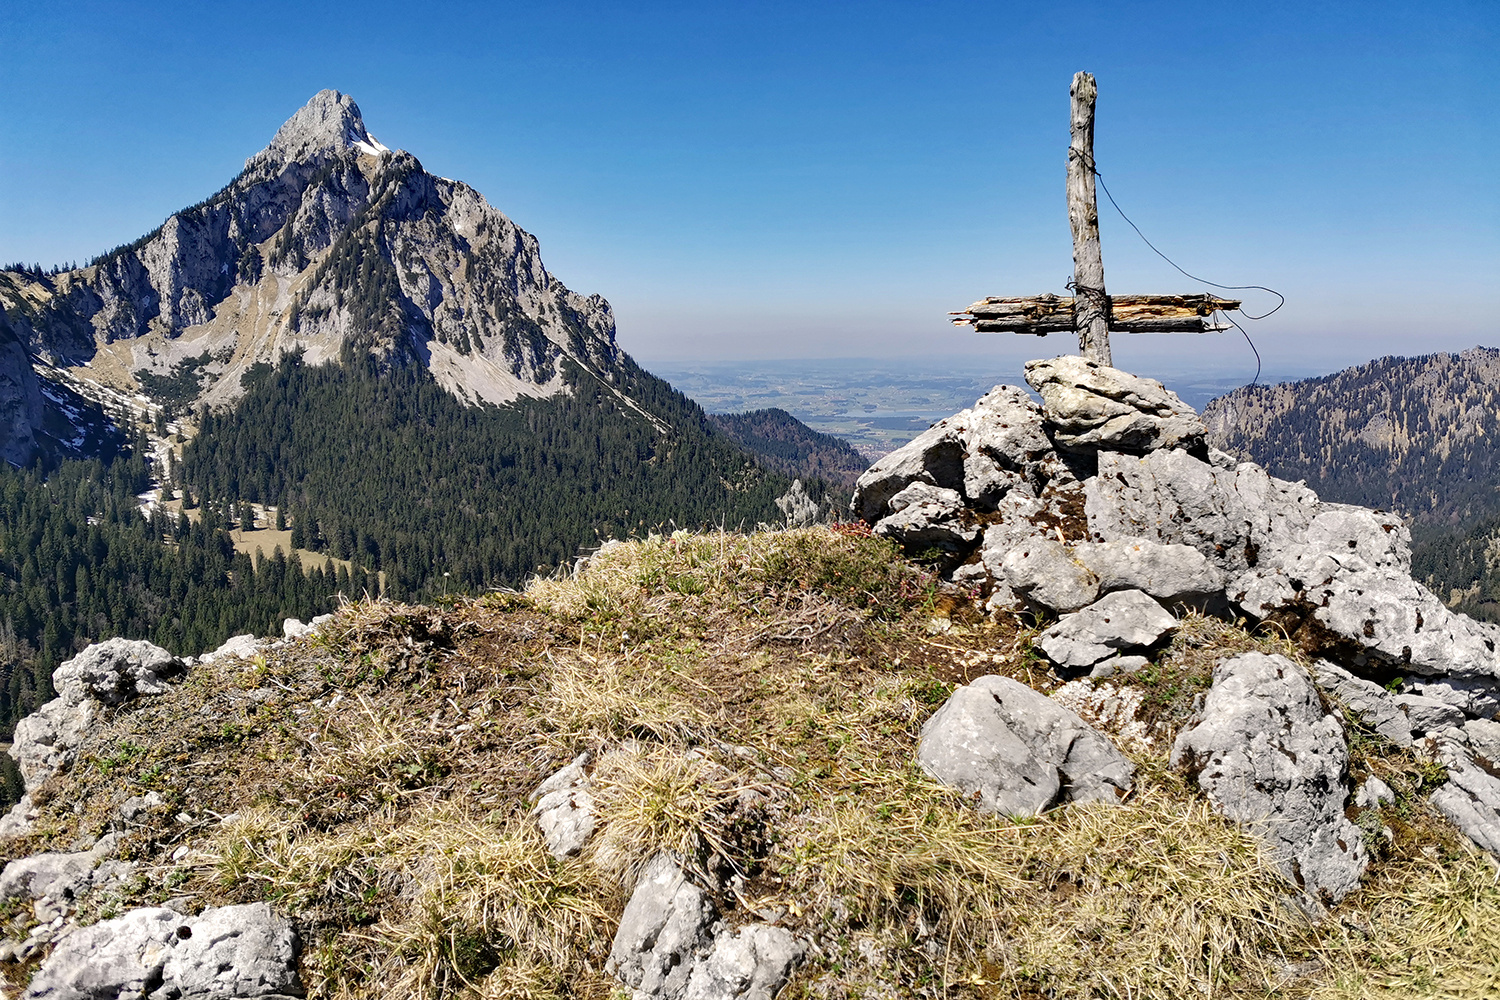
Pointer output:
x,y
1091,315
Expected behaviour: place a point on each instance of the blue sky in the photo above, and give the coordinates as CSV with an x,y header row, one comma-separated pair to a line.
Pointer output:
x,y
758,180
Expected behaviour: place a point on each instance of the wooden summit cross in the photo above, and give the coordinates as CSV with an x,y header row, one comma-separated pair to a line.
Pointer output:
x,y
1091,311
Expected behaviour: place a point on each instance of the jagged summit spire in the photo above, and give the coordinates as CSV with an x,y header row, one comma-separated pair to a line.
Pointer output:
x,y
330,123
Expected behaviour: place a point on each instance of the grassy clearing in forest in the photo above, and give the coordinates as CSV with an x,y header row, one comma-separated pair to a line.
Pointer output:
x,y
751,703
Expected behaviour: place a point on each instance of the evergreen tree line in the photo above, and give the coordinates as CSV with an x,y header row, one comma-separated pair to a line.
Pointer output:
x,y
383,467
79,563
1448,559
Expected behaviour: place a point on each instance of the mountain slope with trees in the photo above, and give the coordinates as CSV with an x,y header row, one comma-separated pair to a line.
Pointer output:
x,y
388,470
786,444
372,349
1420,436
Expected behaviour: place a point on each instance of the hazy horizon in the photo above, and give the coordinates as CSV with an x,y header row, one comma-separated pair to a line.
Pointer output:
x,y
822,180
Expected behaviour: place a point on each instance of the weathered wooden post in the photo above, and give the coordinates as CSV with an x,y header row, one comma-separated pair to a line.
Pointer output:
x,y
1090,311
1091,302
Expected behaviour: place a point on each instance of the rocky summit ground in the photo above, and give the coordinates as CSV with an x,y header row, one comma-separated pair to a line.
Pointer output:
x,y
793,763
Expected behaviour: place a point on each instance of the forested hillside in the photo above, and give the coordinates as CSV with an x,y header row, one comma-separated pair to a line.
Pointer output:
x,y
79,562
1420,436
786,444
385,468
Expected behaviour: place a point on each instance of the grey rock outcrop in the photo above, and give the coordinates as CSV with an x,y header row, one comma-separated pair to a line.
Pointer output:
x,y
1268,758
1046,574
1427,715
1337,577
1171,573
665,925
1483,737
1123,620
1017,752
925,517
980,453
752,963
244,646
799,509
52,874
1371,704
243,951
295,628
116,671
565,809
105,674
670,946
1089,405
1470,798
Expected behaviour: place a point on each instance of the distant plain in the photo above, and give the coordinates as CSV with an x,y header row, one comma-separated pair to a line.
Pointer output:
x,y
878,404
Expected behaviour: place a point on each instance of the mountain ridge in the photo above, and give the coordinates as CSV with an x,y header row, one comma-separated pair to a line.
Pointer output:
x,y
326,237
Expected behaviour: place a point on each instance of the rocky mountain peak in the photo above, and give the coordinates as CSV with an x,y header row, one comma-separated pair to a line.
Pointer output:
x,y
326,239
328,125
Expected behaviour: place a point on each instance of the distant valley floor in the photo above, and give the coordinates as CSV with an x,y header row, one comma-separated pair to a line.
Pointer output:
x,y
877,405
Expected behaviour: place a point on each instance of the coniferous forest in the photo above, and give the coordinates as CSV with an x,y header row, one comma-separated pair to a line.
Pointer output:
x,y
387,469
79,562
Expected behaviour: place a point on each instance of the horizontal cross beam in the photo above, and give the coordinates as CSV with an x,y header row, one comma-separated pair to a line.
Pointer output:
x,y
1044,314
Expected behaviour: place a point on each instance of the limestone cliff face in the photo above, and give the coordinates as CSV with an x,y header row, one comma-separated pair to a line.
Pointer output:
x,y
20,399
327,241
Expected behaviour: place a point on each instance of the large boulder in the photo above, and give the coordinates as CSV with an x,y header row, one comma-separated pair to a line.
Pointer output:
x,y
245,951
1017,752
1269,758
1045,574
1124,620
981,453
1174,574
1089,405
925,517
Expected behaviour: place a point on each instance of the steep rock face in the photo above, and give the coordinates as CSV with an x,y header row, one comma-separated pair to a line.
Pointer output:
x,y
326,241
20,399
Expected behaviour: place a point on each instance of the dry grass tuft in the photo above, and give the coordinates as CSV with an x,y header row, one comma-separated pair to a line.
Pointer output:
x,y
661,800
1421,927
437,902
